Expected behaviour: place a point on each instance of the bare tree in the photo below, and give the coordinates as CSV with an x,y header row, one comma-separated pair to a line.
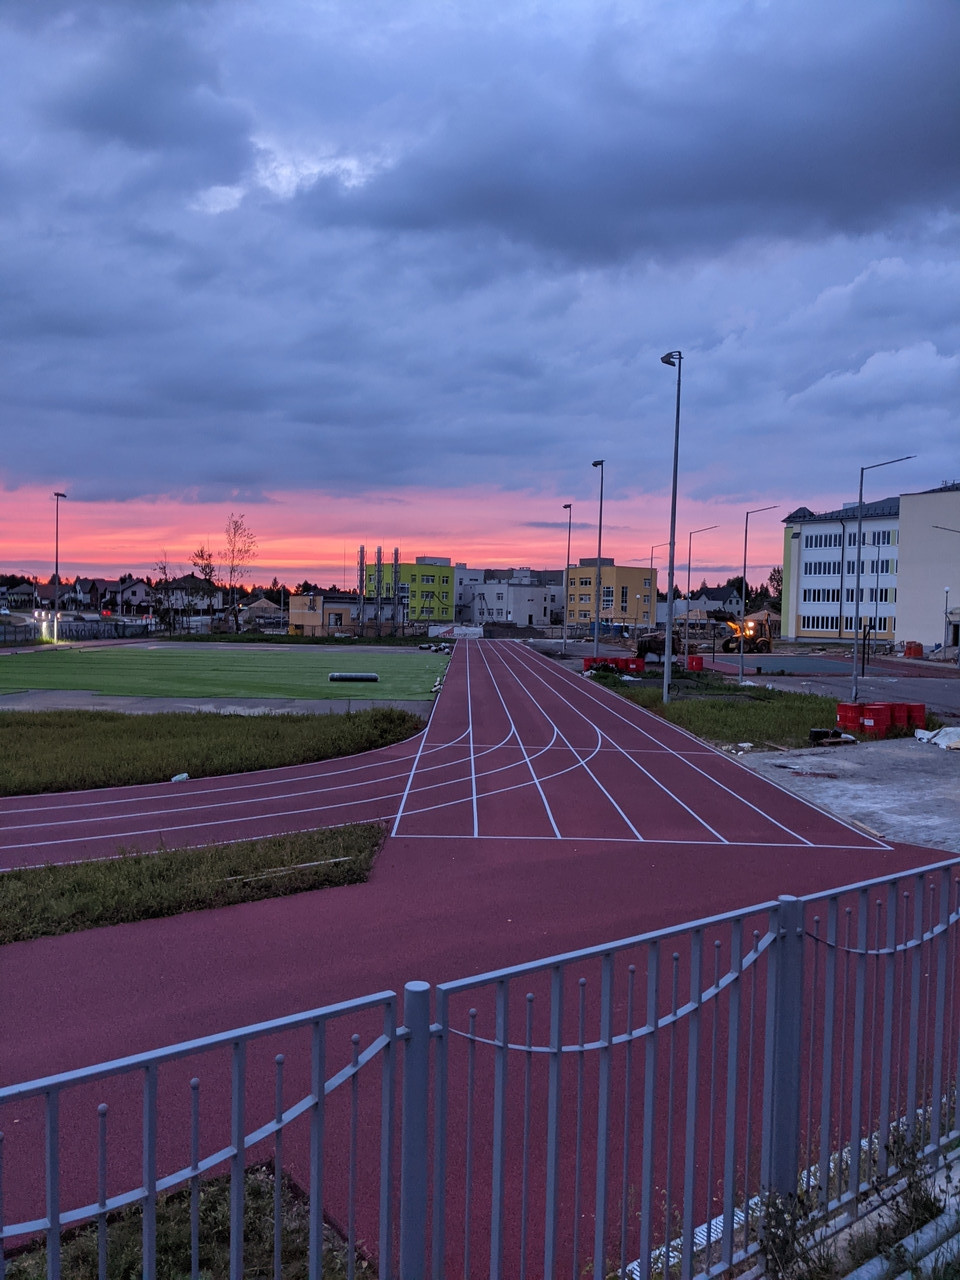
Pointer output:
x,y
163,589
202,561
238,555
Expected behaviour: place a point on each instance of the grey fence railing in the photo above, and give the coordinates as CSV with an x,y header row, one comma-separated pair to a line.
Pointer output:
x,y
624,1109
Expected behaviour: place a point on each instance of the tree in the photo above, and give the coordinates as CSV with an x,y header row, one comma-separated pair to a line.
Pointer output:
x,y
238,555
202,561
165,610
776,581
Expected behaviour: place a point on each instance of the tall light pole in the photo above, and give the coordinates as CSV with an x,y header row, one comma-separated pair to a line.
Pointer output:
x,y
859,550
56,566
596,634
743,585
568,508
686,630
653,549
675,360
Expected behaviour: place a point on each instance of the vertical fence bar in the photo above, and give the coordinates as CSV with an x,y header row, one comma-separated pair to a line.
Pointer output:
x,y
387,1111
859,1004
150,1172
318,1119
940,1014
603,1115
468,1139
712,1095
413,1136
195,1178
886,1059
826,1069
525,1149
102,1191
499,1135
553,1123
649,1119
749,1106
811,1040
730,1118
352,1164
916,972
693,1092
238,1077
671,1070
440,1117
278,1167
873,1120
3,1252
578,1141
52,1154
781,1141
627,1112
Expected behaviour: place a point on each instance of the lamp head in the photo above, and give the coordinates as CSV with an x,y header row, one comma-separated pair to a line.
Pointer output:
x,y
57,494
599,462
671,358
567,506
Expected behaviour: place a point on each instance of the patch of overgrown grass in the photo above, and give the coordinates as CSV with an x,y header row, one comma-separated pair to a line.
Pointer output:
x,y
124,1247
45,901
75,750
757,715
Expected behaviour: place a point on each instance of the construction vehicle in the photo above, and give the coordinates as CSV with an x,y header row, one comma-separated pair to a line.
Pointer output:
x,y
756,632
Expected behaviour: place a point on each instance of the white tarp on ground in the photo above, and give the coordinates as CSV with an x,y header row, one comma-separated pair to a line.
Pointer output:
x,y
450,632
948,739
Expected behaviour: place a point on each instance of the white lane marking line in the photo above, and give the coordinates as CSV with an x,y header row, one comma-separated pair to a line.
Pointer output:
x,y
416,758
473,761
526,756
583,764
622,752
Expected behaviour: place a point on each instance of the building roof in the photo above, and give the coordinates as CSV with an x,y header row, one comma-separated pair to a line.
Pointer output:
x,y
884,507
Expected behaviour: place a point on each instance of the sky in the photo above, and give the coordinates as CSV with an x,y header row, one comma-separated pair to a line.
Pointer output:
x,y
397,271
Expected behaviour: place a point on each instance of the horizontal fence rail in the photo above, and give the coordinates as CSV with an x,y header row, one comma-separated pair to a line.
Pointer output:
x,y
630,1109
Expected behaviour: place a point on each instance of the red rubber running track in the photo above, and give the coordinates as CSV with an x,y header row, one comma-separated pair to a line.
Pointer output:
x,y
537,813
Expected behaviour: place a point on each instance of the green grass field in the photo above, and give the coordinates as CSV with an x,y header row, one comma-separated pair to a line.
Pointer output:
x,y
158,669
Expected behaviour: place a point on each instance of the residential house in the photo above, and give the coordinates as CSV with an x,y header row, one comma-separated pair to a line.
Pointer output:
x,y
325,613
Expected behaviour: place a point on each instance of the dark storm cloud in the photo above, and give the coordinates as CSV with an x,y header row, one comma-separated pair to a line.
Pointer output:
x,y
255,246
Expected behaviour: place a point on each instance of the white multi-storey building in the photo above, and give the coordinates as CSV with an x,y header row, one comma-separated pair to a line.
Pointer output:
x,y
820,571
909,569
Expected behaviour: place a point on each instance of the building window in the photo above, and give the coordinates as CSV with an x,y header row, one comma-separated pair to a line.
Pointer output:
x,y
583,599
444,581
427,578
623,599
586,582
607,598
444,595
499,595
583,614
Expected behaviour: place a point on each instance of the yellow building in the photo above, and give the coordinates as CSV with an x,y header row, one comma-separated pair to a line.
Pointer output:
x,y
628,594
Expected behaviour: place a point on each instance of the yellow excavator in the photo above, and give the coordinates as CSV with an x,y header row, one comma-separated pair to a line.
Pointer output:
x,y
757,637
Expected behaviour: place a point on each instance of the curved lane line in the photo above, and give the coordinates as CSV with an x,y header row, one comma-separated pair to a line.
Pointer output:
x,y
713,753
623,752
583,765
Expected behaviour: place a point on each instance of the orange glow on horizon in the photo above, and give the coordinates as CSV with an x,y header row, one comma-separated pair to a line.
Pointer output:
x,y
296,538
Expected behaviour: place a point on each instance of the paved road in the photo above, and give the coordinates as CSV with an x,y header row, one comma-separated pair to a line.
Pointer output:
x,y
537,813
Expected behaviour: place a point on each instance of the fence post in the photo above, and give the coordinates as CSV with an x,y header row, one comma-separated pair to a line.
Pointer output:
x,y
781,1094
413,1132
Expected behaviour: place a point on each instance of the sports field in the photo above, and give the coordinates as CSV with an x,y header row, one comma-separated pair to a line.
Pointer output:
x,y
170,670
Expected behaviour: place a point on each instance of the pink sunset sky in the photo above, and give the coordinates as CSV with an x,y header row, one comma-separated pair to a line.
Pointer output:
x,y
311,535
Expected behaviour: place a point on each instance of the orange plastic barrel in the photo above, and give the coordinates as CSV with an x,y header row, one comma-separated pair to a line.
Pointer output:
x,y
876,719
848,716
913,649
900,714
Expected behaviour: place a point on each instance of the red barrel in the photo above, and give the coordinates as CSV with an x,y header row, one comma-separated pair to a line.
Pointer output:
x,y
917,717
913,649
635,665
900,714
694,662
848,716
876,719
588,663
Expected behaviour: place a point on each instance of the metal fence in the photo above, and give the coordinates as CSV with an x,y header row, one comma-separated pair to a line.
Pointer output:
x,y
624,1109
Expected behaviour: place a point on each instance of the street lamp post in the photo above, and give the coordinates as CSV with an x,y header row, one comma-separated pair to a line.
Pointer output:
x,y
859,550
675,360
686,630
596,633
946,618
743,585
568,508
56,566
653,549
